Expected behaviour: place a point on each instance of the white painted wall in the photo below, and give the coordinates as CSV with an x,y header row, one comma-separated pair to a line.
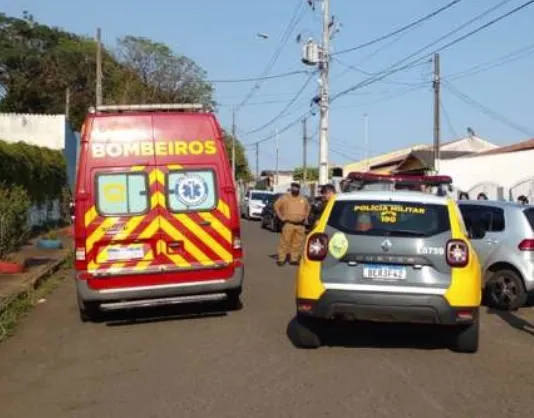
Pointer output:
x,y
41,130
513,171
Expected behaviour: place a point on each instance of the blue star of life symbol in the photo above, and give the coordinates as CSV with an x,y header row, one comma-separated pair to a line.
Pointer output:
x,y
191,190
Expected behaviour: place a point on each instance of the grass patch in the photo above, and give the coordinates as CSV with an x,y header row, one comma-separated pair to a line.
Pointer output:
x,y
19,307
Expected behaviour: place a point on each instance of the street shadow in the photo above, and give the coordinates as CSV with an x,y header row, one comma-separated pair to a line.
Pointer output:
x,y
378,335
163,314
514,321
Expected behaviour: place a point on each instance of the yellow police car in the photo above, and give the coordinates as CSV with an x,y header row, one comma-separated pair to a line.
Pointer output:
x,y
389,256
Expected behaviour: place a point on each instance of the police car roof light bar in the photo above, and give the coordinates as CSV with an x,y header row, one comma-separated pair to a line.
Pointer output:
x,y
399,179
148,107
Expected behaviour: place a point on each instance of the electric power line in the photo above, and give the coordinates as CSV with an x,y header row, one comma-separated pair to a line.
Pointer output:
x,y
400,30
499,62
392,70
448,120
248,80
295,18
280,131
284,110
487,111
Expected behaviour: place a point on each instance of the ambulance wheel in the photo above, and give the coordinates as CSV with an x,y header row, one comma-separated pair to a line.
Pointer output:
x,y
305,332
89,311
233,301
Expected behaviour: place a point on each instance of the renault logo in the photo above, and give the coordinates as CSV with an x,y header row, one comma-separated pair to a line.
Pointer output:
x,y
386,245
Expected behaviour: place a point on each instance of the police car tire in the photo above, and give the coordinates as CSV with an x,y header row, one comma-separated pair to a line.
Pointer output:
x,y
305,332
466,337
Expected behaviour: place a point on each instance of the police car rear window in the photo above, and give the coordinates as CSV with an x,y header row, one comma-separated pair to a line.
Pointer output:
x,y
386,218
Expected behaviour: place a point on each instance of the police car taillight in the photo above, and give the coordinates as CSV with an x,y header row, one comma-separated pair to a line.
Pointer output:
x,y
457,253
317,247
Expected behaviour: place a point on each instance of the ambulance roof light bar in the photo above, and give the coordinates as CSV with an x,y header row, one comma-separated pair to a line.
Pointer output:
x,y
184,107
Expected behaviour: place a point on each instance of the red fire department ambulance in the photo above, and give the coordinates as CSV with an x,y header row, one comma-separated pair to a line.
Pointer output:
x,y
156,217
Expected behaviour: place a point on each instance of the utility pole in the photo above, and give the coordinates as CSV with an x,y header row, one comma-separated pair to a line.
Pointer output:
x,y
304,151
276,169
366,138
436,84
257,161
98,67
67,104
324,63
233,145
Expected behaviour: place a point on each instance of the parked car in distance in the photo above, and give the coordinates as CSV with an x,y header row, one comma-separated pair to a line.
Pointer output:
x,y
269,220
505,248
254,202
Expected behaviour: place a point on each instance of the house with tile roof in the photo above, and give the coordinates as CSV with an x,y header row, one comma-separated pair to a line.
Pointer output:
x,y
419,158
504,172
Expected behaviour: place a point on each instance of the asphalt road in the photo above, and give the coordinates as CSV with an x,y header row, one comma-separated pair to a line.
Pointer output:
x,y
169,364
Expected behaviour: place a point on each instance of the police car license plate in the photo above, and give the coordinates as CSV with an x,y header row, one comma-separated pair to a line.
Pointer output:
x,y
125,252
384,272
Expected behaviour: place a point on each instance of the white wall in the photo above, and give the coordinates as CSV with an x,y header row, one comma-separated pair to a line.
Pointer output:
x,y
506,170
41,130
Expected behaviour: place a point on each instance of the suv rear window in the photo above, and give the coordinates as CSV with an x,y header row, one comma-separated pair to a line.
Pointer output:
x,y
529,213
395,219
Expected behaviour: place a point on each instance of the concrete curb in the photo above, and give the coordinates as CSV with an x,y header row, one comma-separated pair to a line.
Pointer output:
x,y
34,280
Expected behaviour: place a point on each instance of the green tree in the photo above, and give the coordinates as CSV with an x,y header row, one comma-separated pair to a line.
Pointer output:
x,y
169,77
312,173
38,63
241,162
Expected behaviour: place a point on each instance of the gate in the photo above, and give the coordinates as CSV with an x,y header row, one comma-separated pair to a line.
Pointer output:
x,y
491,189
524,187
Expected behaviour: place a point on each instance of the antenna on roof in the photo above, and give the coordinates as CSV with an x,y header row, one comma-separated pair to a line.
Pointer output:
x,y
470,131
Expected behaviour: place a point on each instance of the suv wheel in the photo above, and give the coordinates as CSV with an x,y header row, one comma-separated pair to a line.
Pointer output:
x,y
89,311
305,332
465,337
233,301
505,290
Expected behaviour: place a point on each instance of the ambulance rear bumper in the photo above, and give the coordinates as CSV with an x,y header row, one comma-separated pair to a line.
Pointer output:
x,y
87,294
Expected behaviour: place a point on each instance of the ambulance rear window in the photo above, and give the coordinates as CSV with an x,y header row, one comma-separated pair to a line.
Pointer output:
x,y
122,194
191,191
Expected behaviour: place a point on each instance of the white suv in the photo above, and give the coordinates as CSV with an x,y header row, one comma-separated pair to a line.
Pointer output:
x,y
254,202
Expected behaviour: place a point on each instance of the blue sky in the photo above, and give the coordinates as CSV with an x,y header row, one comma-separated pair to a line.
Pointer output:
x,y
221,37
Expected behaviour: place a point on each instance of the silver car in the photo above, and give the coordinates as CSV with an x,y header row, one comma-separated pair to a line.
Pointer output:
x,y
505,248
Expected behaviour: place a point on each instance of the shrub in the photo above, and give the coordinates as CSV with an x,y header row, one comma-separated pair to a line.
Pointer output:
x,y
14,228
40,171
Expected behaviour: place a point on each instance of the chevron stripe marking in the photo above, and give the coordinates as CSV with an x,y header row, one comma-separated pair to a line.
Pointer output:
x,y
218,226
223,208
157,199
99,233
203,236
90,216
156,176
190,247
